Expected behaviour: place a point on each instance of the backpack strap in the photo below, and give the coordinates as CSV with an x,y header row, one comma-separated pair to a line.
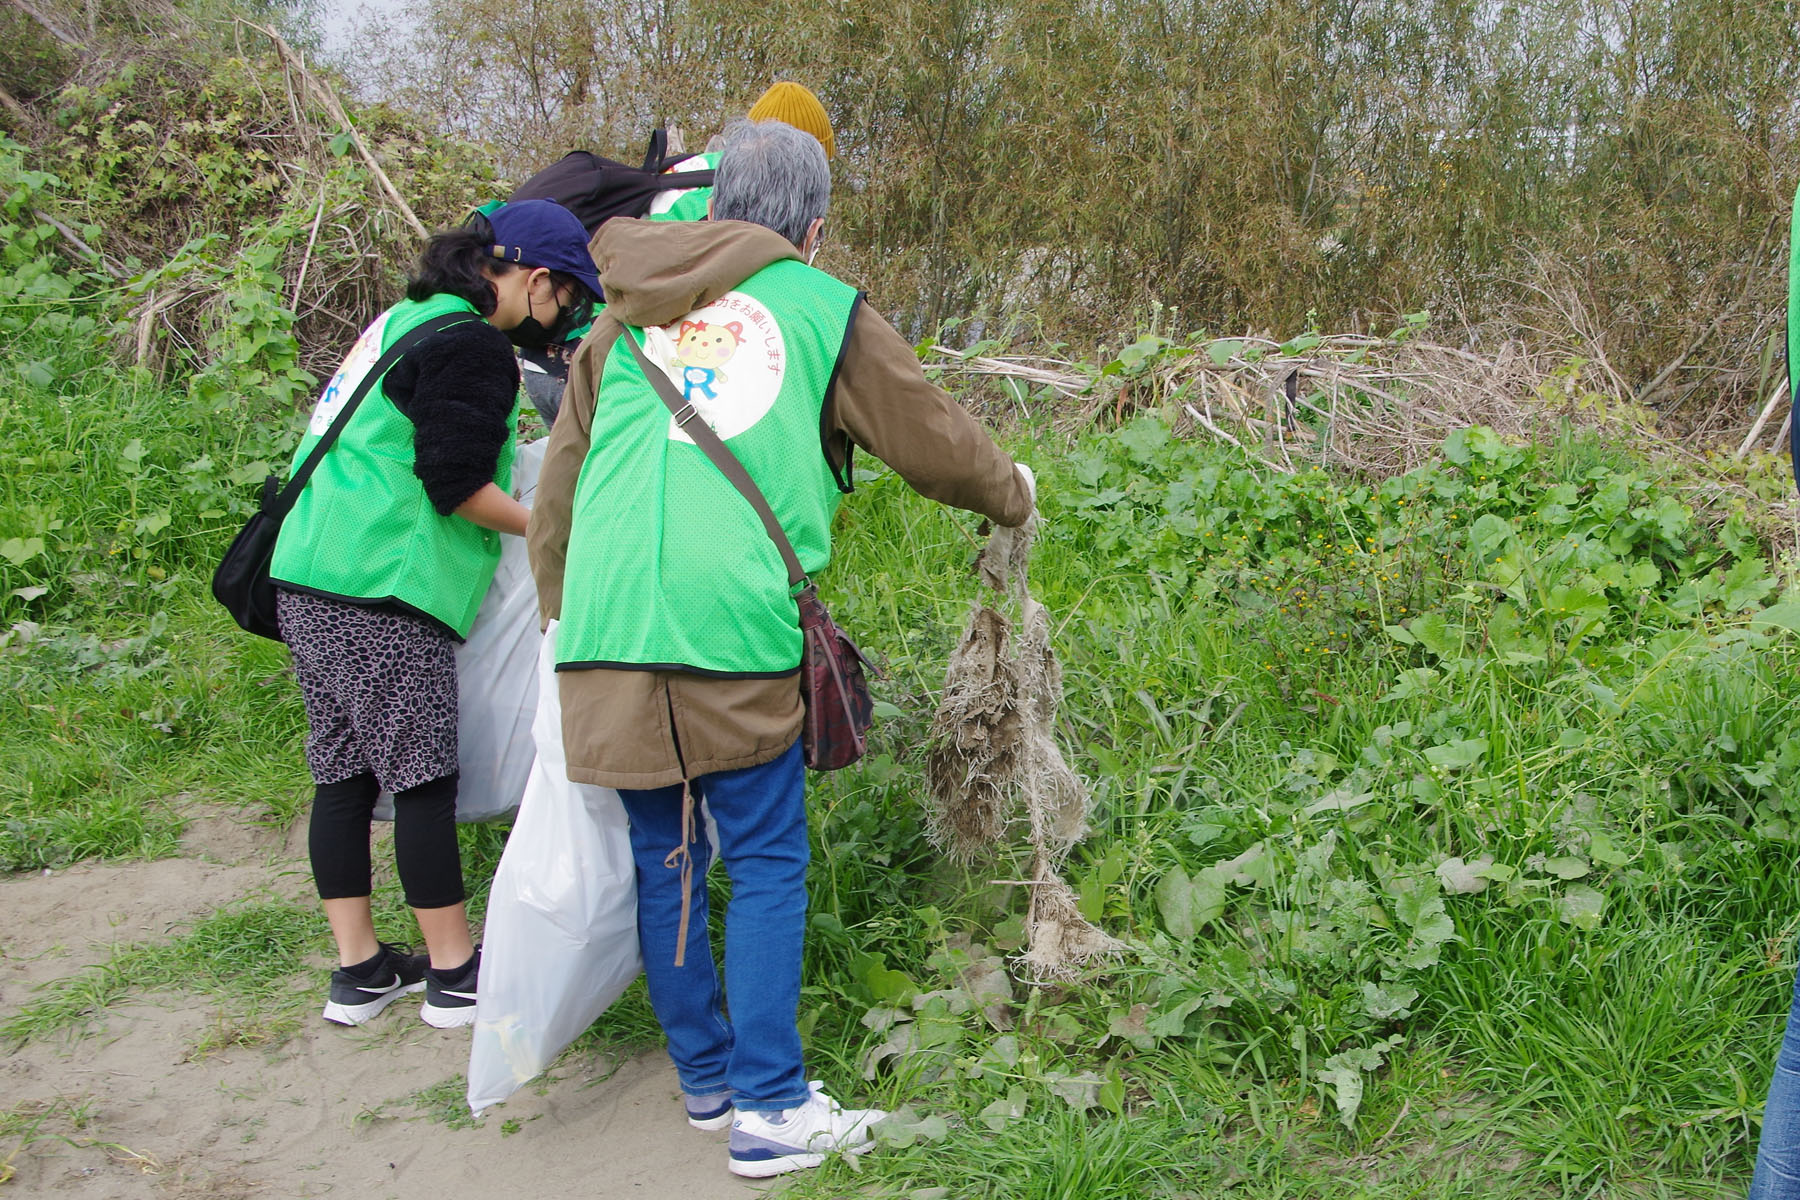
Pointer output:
x,y
282,503
657,162
657,151
671,180
711,445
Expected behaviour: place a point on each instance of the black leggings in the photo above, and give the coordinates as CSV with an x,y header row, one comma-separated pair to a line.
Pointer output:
x,y
424,840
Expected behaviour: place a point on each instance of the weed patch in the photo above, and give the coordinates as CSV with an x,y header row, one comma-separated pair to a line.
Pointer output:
x,y
445,1103
246,955
1479,757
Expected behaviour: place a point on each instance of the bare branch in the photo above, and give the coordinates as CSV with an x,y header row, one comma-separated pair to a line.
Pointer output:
x,y
50,27
74,239
321,91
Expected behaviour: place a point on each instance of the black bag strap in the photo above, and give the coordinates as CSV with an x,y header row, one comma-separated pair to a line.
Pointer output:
x,y
657,162
659,145
679,180
688,418
289,496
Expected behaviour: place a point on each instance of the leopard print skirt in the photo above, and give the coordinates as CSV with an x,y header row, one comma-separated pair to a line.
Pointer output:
x,y
379,687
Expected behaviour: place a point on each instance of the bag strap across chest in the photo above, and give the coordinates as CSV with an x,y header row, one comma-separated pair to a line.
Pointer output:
x,y
278,506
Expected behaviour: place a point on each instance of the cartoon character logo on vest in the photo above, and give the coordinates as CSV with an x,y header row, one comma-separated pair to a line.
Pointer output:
x,y
702,350
362,356
695,350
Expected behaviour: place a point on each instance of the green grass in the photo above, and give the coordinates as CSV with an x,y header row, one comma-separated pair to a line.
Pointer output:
x,y
444,1103
121,683
246,956
24,1125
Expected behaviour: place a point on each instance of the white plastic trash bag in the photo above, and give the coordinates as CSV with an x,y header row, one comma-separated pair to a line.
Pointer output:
x,y
561,939
496,679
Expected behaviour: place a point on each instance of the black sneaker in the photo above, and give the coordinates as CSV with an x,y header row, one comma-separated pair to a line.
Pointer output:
x,y
356,997
450,995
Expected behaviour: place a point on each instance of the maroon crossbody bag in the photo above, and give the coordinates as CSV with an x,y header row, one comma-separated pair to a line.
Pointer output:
x,y
832,680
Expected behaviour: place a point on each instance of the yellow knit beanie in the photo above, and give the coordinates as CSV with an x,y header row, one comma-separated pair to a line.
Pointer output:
x,y
794,105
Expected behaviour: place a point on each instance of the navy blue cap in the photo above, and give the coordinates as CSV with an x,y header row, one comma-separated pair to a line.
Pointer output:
x,y
542,233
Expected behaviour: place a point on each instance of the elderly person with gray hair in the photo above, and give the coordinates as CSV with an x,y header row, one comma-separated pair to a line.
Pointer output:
x,y
678,643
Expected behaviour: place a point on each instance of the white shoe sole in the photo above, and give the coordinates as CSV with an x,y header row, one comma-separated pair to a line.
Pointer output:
x,y
356,1014
447,1018
765,1168
713,1124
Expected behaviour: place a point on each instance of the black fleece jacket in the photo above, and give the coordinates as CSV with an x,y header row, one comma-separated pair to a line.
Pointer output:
x,y
458,388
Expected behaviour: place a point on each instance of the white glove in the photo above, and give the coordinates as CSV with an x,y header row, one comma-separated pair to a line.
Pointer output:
x,y
1030,481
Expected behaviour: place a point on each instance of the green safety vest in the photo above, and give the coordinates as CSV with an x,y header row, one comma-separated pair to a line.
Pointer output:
x,y
1793,331
688,204
364,529
669,567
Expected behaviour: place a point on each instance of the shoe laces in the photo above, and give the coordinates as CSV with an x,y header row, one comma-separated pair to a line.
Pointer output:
x,y
815,1091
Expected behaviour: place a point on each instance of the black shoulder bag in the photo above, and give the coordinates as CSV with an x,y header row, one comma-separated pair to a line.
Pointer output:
x,y
242,582
839,709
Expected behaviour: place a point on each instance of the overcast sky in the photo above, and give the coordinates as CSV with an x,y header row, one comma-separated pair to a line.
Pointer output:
x,y
339,18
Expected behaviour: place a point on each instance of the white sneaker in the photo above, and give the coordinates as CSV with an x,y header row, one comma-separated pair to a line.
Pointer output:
x,y
710,1112
765,1144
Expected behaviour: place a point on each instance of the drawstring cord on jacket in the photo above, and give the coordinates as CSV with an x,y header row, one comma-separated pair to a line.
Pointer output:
x,y
681,857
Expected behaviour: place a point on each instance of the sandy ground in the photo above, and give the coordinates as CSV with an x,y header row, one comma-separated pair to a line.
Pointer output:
x,y
324,1113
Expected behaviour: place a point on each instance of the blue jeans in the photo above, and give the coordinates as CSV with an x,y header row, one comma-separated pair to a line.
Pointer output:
x,y
1778,1150
761,817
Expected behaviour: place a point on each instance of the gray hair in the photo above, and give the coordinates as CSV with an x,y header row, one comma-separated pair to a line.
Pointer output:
x,y
772,175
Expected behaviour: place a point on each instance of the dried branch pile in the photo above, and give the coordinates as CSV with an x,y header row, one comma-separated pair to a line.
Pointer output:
x,y
222,170
349,236
1372,405
993,747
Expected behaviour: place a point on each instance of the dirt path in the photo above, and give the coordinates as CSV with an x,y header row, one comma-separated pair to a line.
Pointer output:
x,y
324,1113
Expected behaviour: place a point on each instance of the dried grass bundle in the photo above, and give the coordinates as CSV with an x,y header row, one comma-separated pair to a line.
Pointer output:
x,y
975,740
1061,938
992,747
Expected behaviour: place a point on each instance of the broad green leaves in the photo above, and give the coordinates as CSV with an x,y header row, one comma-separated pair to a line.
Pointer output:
x,y
1188,904
906,1126
19,551
1456,755
1144,438
1581,906
1428,925
1343,1073
1462,878
1785,615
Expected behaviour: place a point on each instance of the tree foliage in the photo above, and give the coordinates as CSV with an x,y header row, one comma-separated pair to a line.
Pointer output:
x,y
1613,173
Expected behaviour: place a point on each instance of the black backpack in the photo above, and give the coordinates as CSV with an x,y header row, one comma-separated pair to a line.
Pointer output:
x,y
596,189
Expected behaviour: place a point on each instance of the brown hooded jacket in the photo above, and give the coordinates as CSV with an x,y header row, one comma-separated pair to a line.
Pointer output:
x,y
646,729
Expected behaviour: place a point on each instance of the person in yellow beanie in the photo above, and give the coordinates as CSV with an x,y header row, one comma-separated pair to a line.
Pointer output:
x,y
785,101
545,372
793,105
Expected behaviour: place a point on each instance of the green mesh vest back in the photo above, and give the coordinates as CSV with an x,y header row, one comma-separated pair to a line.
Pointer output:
x,y
363,528
668,567
688,204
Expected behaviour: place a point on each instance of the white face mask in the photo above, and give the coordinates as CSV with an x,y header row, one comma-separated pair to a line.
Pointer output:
x,y
813,255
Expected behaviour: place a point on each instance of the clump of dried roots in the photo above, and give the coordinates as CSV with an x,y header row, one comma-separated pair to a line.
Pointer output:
x,y
975,739
1061,938
992,746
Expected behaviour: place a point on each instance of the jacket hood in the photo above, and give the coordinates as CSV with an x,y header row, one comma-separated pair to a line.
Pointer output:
x,y
657,271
